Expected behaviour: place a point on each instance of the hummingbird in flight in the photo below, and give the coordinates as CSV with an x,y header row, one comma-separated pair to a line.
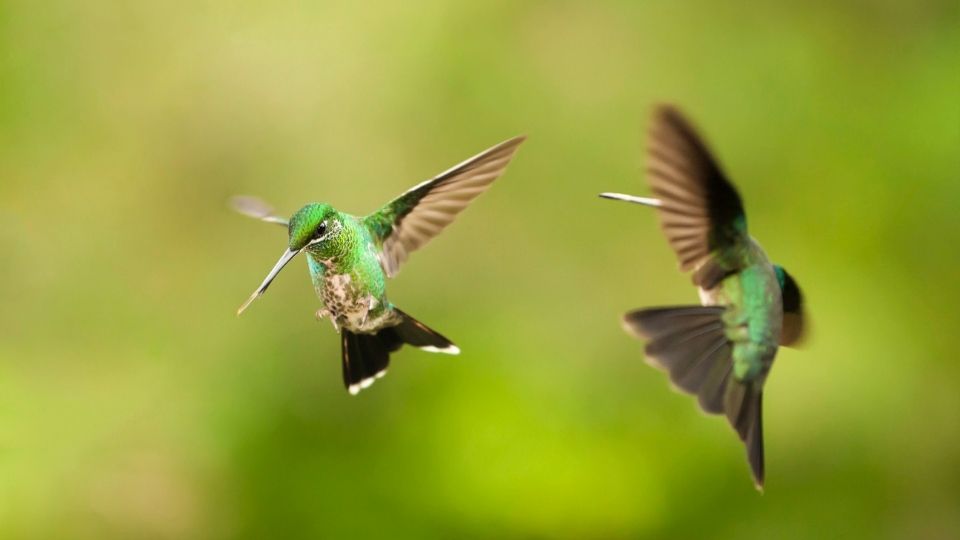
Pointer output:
x,y
351,257
722,350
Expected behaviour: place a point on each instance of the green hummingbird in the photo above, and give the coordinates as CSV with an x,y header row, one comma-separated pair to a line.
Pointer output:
x,y
350,258
722,350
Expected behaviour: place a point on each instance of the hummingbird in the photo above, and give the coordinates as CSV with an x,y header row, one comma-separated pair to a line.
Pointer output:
x,y
722,350
351,257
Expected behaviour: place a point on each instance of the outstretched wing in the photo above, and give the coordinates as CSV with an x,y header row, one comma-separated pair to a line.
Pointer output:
x,y
700,211
414,218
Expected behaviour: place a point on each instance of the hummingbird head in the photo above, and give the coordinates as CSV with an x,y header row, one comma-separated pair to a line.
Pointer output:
x,y
312,225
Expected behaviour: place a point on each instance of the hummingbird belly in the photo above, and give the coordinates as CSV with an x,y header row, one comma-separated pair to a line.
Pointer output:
x,y
351,307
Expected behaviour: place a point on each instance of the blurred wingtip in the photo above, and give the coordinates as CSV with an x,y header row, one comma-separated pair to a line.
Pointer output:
x,y
666,109
254,207
249,205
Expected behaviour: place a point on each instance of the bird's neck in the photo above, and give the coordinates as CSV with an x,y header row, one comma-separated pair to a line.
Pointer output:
x,y
339,253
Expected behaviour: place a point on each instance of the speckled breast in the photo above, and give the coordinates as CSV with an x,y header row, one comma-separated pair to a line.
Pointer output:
x,y
351,307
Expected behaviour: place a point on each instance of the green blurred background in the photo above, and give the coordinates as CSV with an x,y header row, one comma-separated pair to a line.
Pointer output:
x,y
134,404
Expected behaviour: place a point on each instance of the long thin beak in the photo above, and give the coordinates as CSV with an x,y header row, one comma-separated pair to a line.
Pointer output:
x,y
284,259
656,203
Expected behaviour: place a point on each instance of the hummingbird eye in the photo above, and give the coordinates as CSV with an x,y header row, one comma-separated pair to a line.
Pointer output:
x,y
321,229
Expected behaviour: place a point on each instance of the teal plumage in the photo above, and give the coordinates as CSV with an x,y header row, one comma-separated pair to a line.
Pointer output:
x,y
723,350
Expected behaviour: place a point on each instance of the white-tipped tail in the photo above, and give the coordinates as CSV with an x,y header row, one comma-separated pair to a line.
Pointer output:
x,y
355,388
450,349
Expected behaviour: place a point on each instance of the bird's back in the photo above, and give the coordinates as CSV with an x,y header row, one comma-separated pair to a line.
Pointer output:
x,y
755,310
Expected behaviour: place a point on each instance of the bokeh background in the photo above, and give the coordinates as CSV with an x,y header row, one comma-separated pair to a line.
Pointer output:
x,y
134,404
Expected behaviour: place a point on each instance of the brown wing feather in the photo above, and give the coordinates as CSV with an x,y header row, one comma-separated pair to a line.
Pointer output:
x,y
700,208
424,211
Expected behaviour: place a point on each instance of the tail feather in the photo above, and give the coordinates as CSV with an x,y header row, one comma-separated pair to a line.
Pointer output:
x,y
691,345
685,341
744,409
712,391
414,332
657,321
365,359
367,356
